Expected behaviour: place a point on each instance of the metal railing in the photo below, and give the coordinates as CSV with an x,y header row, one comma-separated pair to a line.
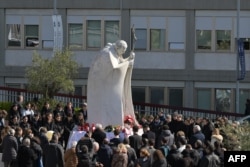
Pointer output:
x,y
10,95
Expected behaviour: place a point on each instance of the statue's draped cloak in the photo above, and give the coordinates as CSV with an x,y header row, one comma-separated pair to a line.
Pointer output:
x,y
109,89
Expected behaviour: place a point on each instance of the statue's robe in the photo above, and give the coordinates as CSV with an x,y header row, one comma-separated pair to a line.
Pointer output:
x,y
109,89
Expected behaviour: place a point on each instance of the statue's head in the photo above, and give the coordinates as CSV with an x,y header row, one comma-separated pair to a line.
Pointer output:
x,y
121,46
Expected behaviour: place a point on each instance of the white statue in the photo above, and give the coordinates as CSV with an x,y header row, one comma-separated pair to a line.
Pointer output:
x,y
109,86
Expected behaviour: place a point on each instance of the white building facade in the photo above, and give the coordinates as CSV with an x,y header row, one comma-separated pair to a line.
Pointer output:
x,y
186,52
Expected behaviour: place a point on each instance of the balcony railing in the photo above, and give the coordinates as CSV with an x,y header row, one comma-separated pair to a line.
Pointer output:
x,y
10,95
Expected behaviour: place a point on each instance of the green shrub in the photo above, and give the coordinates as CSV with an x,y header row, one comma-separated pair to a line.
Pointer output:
x,y
5,106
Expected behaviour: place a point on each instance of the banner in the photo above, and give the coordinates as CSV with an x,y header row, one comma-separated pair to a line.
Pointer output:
x,y
241,56
58,32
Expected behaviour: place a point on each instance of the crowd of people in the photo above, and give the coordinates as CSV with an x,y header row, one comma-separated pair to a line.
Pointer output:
x,y
166,140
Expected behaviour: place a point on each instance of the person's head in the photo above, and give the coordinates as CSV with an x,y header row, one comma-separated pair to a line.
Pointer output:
x,y
144,153
19,131
28,106
95,146
135,128
3,113
121,148
15,107
20,98
84,106
120,47
158,155
49,116
117,132
73,144
11,132
15,119
151,142
5,131
208,147
59,106
36,116
168,118
58,117
43,130
216,131
198,144
55,138
69,104
126,141
46,104
179,117
164,140
146,128
84,149
196,128
25,119
26,142
98,126
28,133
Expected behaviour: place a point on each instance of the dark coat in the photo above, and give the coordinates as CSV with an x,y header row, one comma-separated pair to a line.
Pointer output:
x,y
132,157
105,154
149,135
210,160
160,163
26,157
197,136
173,158
135,142
144,163
53,155
10,147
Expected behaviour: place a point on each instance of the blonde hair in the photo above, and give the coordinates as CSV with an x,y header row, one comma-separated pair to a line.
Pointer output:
x,y
216,131
145,152
121,148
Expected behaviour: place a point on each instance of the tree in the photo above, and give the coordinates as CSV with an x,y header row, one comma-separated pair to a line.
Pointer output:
x,y
50,76
236,136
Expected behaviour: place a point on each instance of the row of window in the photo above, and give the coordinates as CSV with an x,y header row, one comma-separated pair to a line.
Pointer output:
x,y
221,99
98,33
222,40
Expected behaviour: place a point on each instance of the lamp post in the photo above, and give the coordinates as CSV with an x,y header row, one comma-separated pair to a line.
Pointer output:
x,y
237,56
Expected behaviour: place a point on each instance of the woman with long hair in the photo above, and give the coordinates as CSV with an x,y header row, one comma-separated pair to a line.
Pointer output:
x,y
158,159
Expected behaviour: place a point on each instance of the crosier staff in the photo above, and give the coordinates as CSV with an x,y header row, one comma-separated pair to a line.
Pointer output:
x,y
132,54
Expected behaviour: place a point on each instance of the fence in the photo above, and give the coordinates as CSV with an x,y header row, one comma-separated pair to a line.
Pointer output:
x,y
10,95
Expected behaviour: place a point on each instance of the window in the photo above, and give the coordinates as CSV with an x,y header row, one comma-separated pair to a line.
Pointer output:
x,y
204,38
157,39
223,39
138,94
93,33
141,43
243,96
204,99
112,33
176,97
246,42
157,95
223,100
31,35
14,35
75,35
